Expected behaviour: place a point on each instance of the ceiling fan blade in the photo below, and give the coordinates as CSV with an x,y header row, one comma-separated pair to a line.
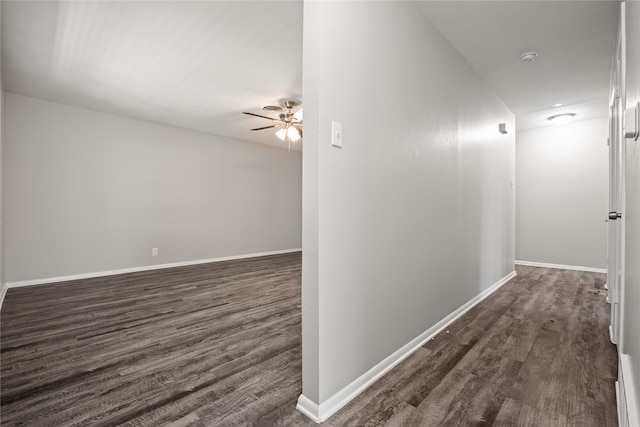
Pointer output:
x,y
265,127
299,128
298,115
258,115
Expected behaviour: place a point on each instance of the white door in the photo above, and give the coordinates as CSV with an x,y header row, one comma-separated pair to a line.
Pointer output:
x,y
616,193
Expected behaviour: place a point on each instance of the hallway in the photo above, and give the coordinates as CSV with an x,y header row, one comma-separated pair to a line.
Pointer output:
x,y
535,353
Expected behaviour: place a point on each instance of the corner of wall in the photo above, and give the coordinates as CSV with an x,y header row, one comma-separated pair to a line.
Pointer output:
x,y
368,196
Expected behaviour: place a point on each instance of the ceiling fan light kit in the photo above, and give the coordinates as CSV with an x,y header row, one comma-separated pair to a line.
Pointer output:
x,y
289,124
293,134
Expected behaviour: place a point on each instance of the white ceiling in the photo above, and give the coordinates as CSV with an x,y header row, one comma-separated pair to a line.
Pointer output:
x,y
575,41
199,64
193,64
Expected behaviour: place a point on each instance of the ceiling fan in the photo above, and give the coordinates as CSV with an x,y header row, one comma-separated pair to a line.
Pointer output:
x,y
289,125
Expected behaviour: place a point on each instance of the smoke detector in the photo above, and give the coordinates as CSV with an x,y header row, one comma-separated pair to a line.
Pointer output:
x,y
528,57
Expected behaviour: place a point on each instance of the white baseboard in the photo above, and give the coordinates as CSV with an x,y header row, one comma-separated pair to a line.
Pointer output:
x,y
623,420
3,292
562,267
323,411
611,337
145,268
628,409
309,408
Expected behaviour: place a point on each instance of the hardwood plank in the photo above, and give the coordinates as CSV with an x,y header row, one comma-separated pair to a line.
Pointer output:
x,y
83,366
220,344
514,413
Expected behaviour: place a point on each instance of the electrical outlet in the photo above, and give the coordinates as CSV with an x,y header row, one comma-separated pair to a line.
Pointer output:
x,y
154,251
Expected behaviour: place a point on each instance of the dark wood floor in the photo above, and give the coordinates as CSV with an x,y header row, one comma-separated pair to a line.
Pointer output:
x,y
219,344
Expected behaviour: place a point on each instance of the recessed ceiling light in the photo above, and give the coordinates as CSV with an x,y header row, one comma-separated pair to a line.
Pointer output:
x,y
562,119
528,57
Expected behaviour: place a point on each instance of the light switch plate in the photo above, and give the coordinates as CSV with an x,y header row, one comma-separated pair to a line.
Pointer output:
x,y
630,123
336,134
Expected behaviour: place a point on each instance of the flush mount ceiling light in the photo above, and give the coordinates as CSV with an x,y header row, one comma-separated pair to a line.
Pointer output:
x,y
561,119
528,57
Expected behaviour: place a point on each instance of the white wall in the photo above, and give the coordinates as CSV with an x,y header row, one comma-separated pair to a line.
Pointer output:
x,y
414,216
2,126
563,194
88,192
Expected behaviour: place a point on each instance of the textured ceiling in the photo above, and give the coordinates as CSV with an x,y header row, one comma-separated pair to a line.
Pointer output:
x,y
195,64
199,64
575,41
